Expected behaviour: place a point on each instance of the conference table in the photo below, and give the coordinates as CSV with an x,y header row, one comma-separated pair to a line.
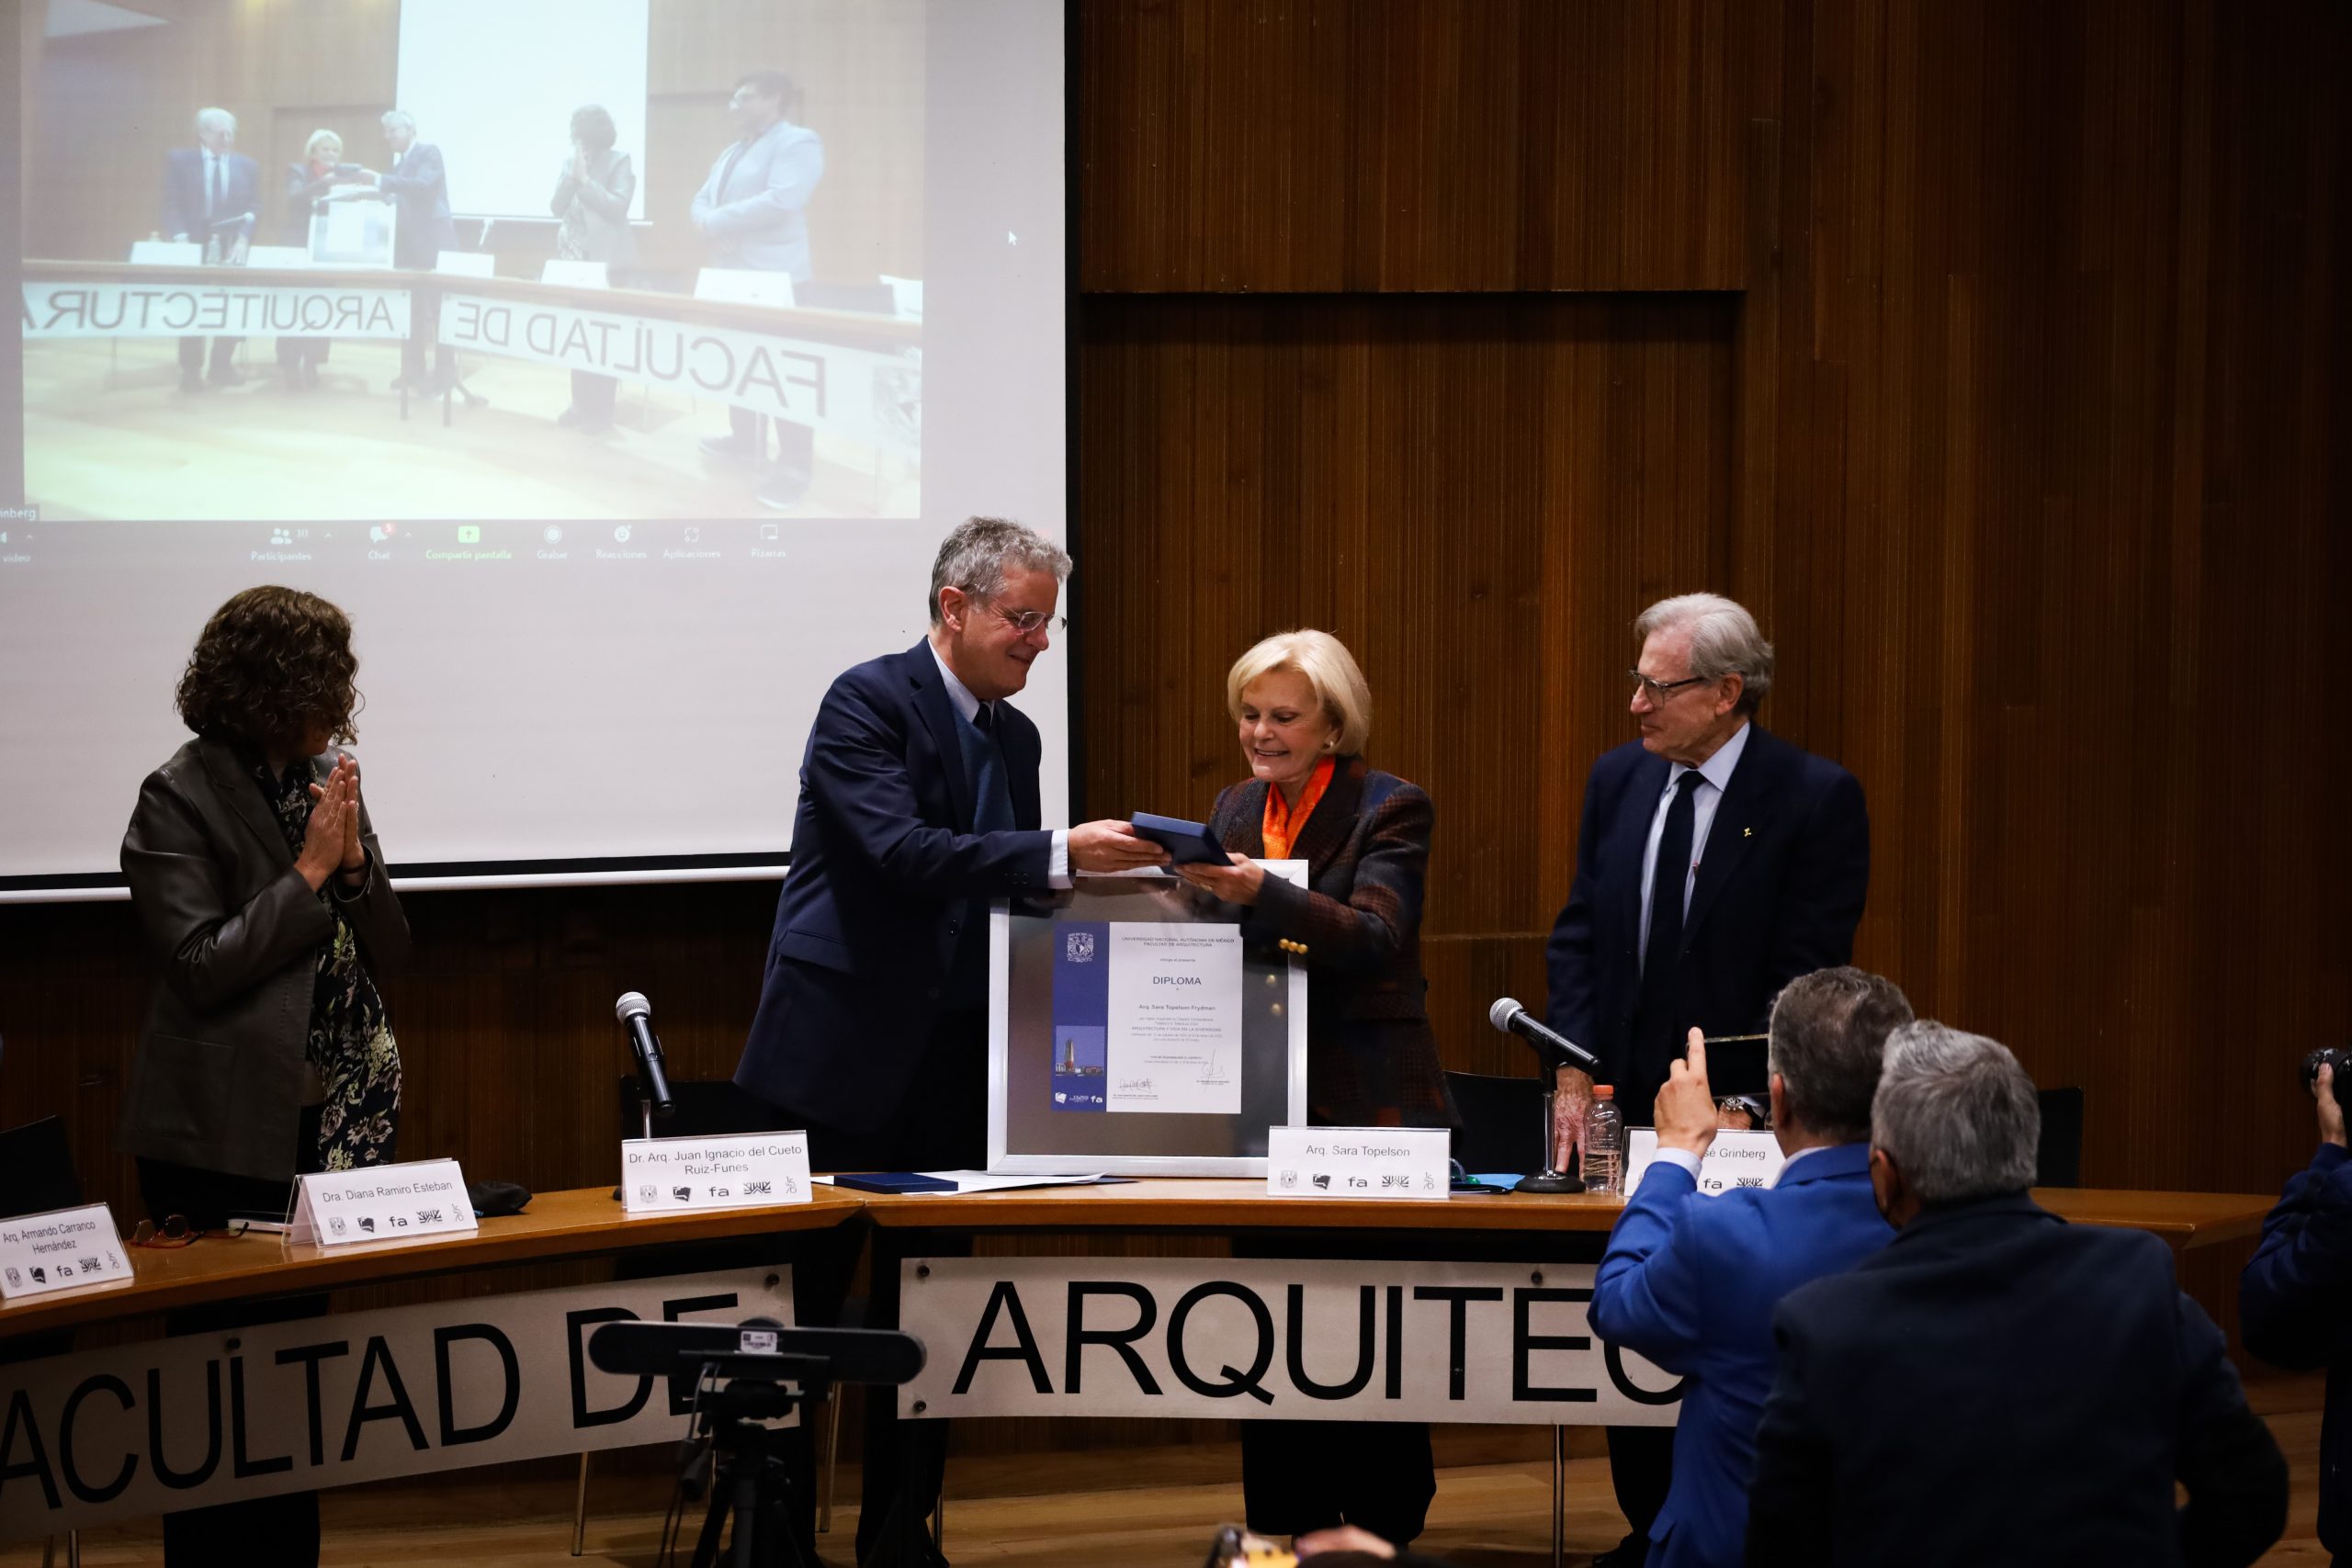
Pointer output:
x,y
1260,1296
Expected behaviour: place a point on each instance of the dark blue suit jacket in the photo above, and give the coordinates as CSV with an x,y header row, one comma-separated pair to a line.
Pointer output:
x,y
1998,1386
1691,1282
2295,1303
422,190
886,871
183,195
1782,880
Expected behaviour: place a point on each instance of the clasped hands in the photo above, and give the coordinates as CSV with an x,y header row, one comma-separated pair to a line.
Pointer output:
x,y
1110,846
331,845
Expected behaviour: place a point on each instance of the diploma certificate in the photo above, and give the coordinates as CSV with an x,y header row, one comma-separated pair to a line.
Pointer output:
x,y
1174,1036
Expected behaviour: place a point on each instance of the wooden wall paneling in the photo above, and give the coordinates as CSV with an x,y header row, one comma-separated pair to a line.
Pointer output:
x,y
1410,474
1327,145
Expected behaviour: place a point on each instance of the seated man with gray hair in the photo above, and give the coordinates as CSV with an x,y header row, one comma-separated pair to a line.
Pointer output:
x,y
1690,1280
1998,1386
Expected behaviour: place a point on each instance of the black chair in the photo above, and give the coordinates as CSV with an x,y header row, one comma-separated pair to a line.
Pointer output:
x,y
1502,1122
2059,1160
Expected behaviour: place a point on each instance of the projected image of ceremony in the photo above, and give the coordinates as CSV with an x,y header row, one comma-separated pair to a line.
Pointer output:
x,y
545,261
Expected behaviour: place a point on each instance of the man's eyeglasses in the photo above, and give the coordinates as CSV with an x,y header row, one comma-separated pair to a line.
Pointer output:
x,y
1029,622
177,1232
1658,691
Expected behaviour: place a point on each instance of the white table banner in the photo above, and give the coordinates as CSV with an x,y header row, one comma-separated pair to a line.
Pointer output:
x,y
867,396
1279,1341
185,1423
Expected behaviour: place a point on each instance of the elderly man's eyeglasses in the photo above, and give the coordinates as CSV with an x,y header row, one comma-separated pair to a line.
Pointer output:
x,y
1658,691
1030,622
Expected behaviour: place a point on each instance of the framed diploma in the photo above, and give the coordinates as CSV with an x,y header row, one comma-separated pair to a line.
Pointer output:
x,y
1134,1030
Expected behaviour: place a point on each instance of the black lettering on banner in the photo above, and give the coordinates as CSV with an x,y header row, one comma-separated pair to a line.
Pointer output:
x,y
726,377
379,313
1395,1389
212,312
812,377
181,1480
497,326
453,1434
318,311
121,309
239,1465
1122,1340
671,1311
575,342
1522,1342
539,333
573,1322
654,369
106,1382
1615,1359
604,350
21,1415
380,1354
1295,1345
1249,1383
759,372
1005,1298
146,298
1459,1298
311,1356
64,302
188,319
464,317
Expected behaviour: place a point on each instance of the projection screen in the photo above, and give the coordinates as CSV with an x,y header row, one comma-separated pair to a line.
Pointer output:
x,y
590,647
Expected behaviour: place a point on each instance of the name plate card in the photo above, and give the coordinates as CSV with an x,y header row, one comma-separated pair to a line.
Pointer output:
x,y
1734,1159
1359,1162
381,1202
744,1170
59,1250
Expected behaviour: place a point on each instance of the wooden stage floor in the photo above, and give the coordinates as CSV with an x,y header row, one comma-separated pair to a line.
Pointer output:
x,y
1135,1507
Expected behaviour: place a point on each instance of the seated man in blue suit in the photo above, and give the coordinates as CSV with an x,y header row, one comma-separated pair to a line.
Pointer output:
x,y
211,195
1690,1280
1764,853
919,805
1996,1385
2295,1300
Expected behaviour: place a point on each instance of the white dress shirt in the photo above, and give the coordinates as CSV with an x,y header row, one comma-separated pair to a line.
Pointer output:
x,y
967,708
1715,777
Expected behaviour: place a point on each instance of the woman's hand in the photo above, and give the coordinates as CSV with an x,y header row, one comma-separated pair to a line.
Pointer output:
x,y
1234,884
330,842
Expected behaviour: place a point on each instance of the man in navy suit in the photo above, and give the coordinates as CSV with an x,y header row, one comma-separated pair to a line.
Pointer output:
x,y
418,185
1996,1385
919,805
211,195
1690,1280
1772,850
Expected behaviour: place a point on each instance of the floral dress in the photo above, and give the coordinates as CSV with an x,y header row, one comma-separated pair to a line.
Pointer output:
x,y
350,1041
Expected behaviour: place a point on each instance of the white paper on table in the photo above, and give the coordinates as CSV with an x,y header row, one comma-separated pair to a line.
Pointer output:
x,y
1174,1041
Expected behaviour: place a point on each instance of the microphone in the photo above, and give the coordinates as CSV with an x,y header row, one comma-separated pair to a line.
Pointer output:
x,y
1556,1050
635,1013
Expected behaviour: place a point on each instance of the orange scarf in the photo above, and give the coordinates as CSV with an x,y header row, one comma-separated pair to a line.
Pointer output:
x,y
1280,825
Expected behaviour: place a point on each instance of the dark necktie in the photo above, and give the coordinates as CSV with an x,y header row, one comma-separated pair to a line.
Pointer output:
x,y
212,199
1668,874
726,172
992,796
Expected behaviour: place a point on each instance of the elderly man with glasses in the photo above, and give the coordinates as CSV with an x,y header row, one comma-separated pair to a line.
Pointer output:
x,y
1715,862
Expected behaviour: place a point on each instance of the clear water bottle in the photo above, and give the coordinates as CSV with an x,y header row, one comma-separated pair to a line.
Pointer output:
x,y
1604,1144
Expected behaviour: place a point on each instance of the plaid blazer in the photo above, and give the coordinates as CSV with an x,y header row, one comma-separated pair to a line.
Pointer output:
x,y
1371,1060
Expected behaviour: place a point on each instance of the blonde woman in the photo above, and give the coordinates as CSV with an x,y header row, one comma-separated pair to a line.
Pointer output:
x,y
1304,715
307,184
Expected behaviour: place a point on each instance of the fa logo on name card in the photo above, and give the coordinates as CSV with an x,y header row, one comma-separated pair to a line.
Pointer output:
x,y
1080,949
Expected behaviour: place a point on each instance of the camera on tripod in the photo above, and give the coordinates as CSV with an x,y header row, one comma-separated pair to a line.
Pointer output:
x,y
739,1379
